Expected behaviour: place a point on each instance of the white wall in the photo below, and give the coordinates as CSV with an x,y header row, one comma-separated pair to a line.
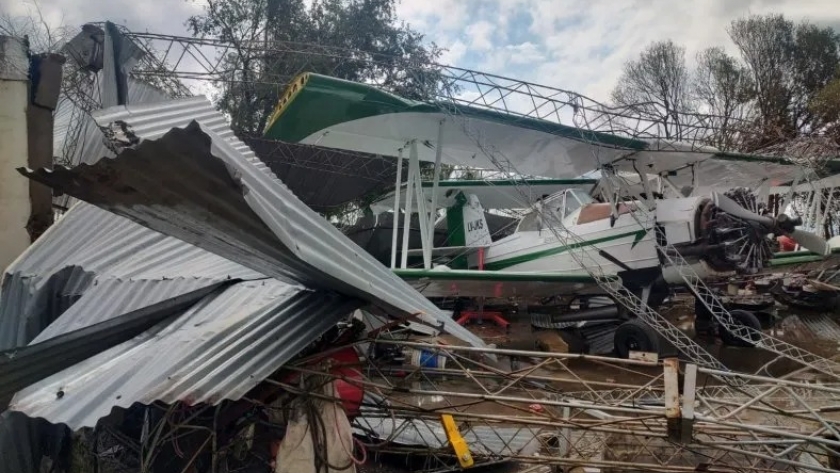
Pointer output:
x,y
15,206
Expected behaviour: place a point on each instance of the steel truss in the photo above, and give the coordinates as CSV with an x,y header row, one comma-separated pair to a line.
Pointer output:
x,y
722,316
185,59
641,420
581,252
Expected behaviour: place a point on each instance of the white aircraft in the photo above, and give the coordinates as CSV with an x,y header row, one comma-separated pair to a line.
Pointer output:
x,y
719,232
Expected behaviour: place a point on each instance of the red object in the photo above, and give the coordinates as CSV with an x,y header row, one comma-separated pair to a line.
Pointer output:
x,y
350,395
468,315
786,243
481,259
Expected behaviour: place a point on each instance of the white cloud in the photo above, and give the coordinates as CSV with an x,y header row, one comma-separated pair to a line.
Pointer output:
x,y
512,56
434,17
480,34
454,53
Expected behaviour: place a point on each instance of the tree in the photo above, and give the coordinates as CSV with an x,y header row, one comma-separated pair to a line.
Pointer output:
x,y
789,65
42,36
724,89
656,86
825,106
816,65
358,40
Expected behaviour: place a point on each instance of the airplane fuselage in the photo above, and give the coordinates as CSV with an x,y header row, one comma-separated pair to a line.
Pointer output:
x,y
605,246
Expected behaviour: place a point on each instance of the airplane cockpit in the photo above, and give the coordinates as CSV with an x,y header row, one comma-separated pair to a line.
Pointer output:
x,y
562,206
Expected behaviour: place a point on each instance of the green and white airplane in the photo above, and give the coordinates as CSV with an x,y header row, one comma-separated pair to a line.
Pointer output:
x,y
680,189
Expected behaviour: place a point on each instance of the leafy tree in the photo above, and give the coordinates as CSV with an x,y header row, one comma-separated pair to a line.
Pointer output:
x,y
724,89
274,40
789,65
825,106
656,86
816,65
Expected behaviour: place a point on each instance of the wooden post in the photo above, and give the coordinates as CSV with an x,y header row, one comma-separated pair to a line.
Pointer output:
x,y
672,397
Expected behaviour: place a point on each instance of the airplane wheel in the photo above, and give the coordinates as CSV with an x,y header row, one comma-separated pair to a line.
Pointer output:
x,y
635,335
743,318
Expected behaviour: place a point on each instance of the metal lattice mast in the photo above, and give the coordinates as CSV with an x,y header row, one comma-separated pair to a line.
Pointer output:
x,y
634,303
623,427
579,251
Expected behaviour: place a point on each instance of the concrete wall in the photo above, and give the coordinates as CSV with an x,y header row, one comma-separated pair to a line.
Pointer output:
x,y
15,207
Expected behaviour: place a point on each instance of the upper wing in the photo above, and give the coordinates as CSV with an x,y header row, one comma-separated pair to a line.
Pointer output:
x,y
335,113
712,170
341,114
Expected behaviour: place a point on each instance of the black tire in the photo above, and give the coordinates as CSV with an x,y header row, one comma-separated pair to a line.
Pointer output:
x,y
743,318
635,335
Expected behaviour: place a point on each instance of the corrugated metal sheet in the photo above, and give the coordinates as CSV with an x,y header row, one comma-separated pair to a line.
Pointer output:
x,y
77,125
219,349
210,190
76,136
23,366
108,298
113,246
822,326
90,246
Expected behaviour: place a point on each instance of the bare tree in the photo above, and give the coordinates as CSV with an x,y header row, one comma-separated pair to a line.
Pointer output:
x,y
723,88
42,36
656,86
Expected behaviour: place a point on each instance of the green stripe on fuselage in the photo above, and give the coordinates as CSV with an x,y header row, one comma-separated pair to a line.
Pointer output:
x,y
508,262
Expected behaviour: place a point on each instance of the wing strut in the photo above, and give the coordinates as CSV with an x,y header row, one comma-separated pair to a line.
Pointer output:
x,y
396,222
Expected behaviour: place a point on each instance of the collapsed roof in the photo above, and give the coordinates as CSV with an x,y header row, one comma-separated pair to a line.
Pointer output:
x,y
186,206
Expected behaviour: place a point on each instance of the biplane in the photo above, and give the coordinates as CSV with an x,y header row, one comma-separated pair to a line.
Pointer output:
x,y
623,199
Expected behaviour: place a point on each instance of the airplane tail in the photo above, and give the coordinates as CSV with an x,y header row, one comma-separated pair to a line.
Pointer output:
x,y
466,223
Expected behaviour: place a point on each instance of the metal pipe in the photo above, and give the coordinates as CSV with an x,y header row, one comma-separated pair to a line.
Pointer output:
x,y
427,246
414,162
574,403
522,353
396,223
769,381
590,315
409,194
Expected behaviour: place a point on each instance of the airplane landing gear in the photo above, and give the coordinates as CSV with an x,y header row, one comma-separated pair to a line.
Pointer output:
x,y
742,318
635,335
704,324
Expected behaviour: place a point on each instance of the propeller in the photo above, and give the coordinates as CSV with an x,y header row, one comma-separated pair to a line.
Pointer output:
x,y
782,224
812,241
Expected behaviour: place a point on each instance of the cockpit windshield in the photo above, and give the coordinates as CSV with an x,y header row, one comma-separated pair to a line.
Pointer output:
x,y
575,199
557,206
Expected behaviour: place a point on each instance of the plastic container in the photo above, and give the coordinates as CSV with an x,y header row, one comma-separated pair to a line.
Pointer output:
x,y
427,359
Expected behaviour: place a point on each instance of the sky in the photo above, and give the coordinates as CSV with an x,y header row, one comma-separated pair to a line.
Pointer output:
x,y
569,44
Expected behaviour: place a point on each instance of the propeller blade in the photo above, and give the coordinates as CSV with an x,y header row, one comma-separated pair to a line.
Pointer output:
x,y
733,208
811,241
